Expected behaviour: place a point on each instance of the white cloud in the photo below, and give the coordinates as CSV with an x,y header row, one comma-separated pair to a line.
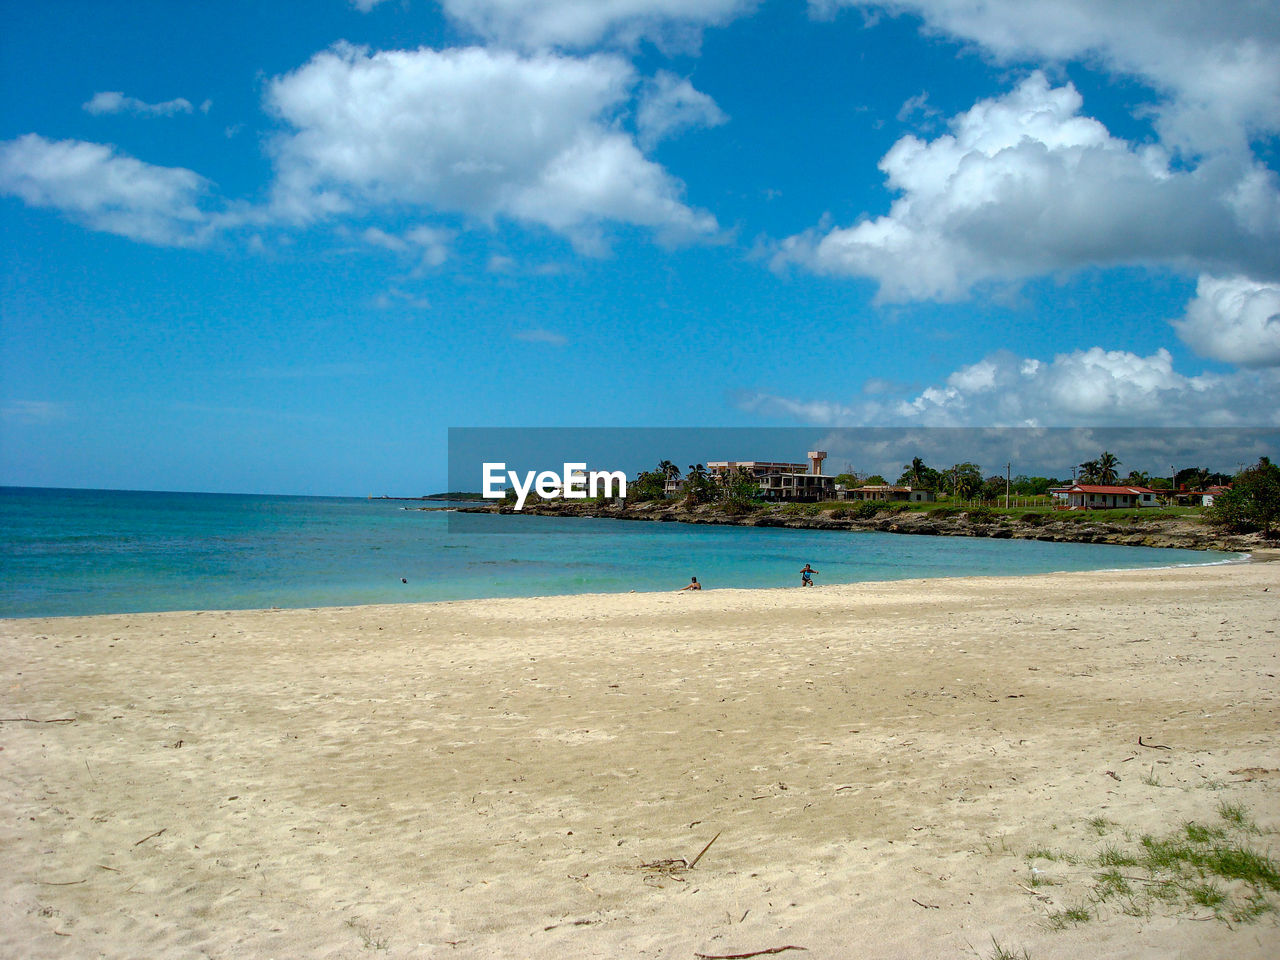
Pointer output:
x,y
105,190
401,298
538,335
1024,184
364,6
429,244
483,133
116,102
1092,387
1234,319
539,24
1216,65
669,105
34,412
918,105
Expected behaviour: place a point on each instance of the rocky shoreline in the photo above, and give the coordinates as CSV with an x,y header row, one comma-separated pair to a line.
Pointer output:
x,y
1187,533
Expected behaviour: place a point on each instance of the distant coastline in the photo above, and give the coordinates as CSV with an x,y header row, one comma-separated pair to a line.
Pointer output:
x,y
1187,533
451,495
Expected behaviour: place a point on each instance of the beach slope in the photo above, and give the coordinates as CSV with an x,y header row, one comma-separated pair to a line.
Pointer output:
x,y
913,769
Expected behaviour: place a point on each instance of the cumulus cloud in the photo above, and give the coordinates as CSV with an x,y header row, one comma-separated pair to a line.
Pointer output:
x,y
540,24
1215,66
1234,319
670,105
1092,387
1024,184
483,133
116,102
105,190
364,6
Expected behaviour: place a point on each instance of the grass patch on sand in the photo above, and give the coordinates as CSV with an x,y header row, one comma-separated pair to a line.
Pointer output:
x,y
1215,866
1000,952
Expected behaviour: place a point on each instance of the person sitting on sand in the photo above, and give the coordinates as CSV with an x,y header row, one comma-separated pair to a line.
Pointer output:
x,y
693,585
806,576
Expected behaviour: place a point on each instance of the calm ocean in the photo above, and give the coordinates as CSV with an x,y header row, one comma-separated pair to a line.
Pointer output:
x,y
70,552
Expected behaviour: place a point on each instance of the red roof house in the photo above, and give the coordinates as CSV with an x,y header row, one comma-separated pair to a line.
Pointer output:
x,y
1097,496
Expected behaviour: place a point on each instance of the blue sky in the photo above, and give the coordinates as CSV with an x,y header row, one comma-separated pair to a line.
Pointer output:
x,y
282,247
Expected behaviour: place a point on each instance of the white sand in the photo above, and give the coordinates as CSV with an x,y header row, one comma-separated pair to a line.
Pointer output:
x,y
486,779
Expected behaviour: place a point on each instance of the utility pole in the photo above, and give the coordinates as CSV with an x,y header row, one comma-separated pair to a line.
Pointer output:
x,y
1008,473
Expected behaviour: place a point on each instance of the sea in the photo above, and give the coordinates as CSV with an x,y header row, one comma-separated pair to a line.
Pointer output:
x,y
78,552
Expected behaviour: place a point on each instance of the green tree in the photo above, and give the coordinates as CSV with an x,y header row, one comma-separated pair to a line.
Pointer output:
x,y
649,485
698,485
1191,478
963,479
1253,502
1025,486
875,480
919,476
993,488
738,488
1108,463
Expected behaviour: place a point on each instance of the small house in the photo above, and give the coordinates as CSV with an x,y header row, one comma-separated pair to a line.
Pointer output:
x,y
1096,496
882,491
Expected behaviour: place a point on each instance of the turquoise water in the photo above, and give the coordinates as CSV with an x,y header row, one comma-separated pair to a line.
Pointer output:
x,y
70,552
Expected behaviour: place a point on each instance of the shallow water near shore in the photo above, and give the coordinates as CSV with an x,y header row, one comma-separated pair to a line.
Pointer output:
x,y
79,552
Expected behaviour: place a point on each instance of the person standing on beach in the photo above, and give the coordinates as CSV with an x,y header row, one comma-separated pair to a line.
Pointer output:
x,y
806,576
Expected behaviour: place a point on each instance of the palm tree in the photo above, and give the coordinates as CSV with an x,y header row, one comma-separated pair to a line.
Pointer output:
x,y
1089,472
697,484
668,469
1107,464
916,468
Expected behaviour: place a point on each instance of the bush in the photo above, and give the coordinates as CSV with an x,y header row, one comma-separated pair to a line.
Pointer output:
x,y
1253,502
866,509
981,515
800,510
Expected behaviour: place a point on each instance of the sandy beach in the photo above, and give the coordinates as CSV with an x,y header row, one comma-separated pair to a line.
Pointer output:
x,y
889,770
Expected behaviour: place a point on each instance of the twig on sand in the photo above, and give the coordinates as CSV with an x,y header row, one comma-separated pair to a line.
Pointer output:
x,y
34,720
679,863
740,956
927,906
704,850
151,835
1153,746
64,883
573,923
